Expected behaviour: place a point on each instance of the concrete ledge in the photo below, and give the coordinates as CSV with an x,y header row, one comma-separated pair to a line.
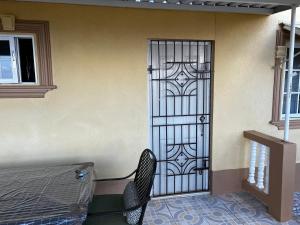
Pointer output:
x,y
228,181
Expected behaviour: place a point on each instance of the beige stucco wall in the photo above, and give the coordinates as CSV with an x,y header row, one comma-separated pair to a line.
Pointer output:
x,y
99,111
244,85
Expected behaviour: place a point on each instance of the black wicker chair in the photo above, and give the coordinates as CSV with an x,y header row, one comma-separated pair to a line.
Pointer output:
x,y
109,209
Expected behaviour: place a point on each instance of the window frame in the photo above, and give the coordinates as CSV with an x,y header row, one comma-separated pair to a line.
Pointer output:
x,y
15,52
34,49
39,31
282,39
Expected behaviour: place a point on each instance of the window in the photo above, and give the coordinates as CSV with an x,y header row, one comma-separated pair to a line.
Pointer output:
x,y
295,97
280,84
17,60
25,60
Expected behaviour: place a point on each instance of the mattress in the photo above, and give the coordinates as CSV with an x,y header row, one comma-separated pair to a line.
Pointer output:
x,y
46,195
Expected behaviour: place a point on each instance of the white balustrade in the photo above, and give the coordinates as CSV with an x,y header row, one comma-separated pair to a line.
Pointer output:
x,y
261,167
263,154
251,177
267,174
270,159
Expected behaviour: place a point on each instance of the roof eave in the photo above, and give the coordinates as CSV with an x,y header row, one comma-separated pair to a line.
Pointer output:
x,y
273,2
287,27
281,9
203,8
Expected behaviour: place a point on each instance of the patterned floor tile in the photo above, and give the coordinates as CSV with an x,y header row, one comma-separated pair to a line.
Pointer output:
x,y
219,215
235,209
179,204
158,218
291,222
258,221
247,209
161,222
209,201
241,198
297,218
156,207
188,218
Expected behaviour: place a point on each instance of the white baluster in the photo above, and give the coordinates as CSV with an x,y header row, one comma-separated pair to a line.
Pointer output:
x,y
251,177
267,171
261,167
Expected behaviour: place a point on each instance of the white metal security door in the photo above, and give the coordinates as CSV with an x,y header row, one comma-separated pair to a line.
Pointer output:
x,y
180,114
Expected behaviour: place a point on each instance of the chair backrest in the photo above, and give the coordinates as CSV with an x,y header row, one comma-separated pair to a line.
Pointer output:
x,y
144,177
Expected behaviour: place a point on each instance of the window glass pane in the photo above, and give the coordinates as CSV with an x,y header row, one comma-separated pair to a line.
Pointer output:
x,y
4,47
283,104
285,81
26,60
5,60
294,101
295,83
298,104
296,59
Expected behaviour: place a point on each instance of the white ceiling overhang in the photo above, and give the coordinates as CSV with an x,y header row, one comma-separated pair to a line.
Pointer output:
x,y
265,7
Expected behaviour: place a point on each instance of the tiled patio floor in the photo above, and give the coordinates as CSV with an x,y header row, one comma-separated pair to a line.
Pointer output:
x,y
238,208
